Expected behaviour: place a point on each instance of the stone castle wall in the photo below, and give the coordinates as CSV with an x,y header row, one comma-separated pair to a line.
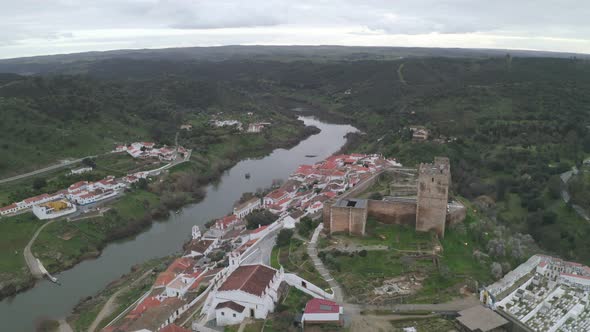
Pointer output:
x,y
392,212
433,194
428,212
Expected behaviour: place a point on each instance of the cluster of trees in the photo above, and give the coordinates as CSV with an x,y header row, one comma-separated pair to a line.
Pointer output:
x,y
260,218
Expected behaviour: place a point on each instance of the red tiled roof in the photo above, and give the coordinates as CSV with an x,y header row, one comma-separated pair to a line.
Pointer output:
x,y
284,201
329,165
88,195
174,328
148,302
36,198
542,264
575,276
6,208
199,246
321,306
227,220
77,185
252,279
231,305
259,229
164,279
276,194
180,265
330,194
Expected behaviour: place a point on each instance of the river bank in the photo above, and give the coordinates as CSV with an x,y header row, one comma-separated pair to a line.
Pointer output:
x,y
89,276
63,245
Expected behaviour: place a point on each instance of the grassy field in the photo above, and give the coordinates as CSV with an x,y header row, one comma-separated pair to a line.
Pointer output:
x,y
359,273
62,244
15,233
294,259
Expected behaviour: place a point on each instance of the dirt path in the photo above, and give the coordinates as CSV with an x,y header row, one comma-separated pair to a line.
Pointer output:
x,y
29,258
110,306
312,251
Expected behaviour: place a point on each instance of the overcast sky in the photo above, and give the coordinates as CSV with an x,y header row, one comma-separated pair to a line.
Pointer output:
x,y
36,27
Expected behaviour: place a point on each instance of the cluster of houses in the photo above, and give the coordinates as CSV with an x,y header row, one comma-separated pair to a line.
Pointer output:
x,y
64,202
213,271
254,127
311,185
148,150
545,293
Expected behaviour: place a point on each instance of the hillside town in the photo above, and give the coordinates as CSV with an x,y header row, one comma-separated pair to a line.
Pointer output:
x,y
84,193
226,290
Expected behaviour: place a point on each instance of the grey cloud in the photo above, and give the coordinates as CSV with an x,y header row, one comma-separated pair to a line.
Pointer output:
x,y
58,19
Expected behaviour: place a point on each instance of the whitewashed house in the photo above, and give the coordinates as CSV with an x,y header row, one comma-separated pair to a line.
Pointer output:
x,y
245,208
253,291
81,170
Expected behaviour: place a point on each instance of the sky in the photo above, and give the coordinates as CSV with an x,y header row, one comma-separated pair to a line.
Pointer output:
x,y
39,27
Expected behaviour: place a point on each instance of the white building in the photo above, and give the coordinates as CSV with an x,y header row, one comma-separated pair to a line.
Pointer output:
x,y
53,209
575,280
80,170
201,247
245,208
253,291
275,196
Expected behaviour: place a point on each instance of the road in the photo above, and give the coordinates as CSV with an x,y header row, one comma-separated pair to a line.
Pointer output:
x,y
29,258
565,195
312,251
43,170
263,249
110,306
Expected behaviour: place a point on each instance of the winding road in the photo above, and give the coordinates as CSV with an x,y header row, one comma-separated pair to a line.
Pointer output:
x,y
44,170
29,258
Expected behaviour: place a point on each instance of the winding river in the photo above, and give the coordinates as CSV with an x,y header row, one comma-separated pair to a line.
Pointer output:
x,y
47,300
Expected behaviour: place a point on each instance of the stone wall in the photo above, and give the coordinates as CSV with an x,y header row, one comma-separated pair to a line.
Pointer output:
x,y
393,212
433,193
358,220
339,219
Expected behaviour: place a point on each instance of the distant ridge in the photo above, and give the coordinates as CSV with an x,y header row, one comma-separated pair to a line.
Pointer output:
x,y
50,63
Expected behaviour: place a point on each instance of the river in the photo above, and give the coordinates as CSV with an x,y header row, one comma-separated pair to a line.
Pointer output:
x,y
47,300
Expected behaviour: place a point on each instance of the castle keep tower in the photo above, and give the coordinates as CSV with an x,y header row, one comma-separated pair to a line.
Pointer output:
x,y
433,194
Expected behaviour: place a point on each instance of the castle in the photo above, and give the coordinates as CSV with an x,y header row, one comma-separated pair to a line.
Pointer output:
x,y
429,211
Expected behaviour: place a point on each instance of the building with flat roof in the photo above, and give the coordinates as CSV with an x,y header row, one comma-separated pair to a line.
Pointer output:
x,y
481,319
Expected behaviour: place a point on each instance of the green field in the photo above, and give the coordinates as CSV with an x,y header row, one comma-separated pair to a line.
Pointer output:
x,y
15,233
359,273
62,244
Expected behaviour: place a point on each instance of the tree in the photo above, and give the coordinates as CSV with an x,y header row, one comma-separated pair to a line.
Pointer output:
x,y
305,226
89,162
496,269
376,196
260,218
284,237
39,183
554,186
